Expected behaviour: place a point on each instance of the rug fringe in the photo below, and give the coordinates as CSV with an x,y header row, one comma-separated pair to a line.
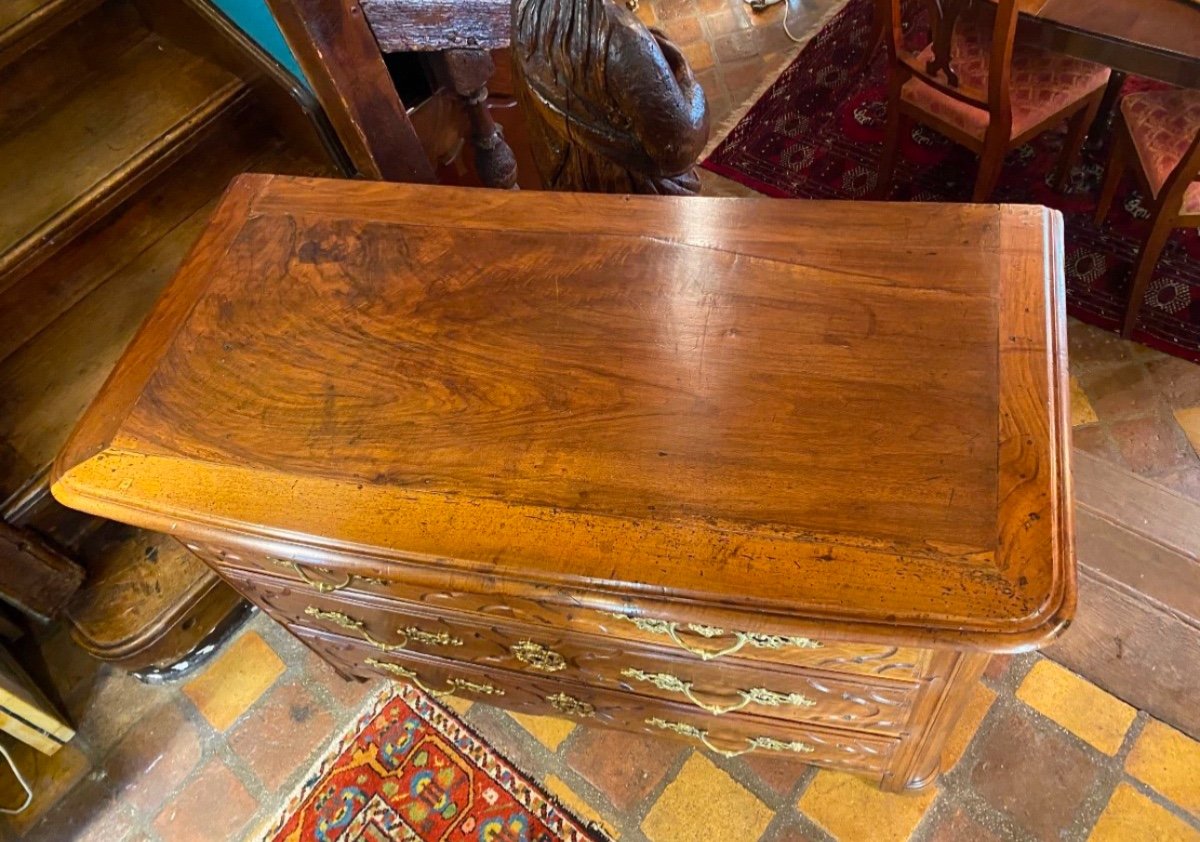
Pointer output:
x,y
727,125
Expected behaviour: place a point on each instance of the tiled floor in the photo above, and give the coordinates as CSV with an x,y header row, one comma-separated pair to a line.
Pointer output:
x,y
1041,753
1136,407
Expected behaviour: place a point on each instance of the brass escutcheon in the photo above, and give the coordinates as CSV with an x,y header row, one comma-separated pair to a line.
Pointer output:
x,y
537,656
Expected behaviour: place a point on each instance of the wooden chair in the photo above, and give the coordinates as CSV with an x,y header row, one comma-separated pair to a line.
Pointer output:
x,y
974,85
1160,132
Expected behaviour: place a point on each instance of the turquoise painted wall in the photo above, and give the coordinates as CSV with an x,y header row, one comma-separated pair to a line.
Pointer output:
x,y
254,18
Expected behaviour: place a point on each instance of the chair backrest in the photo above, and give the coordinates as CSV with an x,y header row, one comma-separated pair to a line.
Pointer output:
x,y
933,22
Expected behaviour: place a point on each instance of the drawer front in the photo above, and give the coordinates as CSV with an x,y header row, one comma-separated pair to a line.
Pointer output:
x,y
334,573
719,689
862,753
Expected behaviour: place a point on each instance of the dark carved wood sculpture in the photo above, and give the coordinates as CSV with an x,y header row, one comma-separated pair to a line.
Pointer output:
x,y
612,106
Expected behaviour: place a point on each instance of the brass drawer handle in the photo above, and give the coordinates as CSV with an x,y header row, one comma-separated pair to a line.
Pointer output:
x,y
316,584
756,639
321,586
345,621
755,695
455,683
430,638
537,656
571,706
752,743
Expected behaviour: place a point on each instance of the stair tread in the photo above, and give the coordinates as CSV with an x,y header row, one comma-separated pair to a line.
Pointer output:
x,y
23,23
52,288
47,383
65,162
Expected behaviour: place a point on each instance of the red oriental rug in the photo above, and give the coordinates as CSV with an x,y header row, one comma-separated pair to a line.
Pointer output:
x,y
817,133
411,770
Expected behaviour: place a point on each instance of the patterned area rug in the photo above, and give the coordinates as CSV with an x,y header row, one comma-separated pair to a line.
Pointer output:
x,y
411,770
817,133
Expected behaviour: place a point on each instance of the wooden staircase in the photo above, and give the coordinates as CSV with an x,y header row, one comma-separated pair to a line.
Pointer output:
x,y
114,145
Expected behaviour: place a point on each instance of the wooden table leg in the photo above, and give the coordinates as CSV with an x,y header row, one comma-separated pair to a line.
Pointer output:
x,y
467,72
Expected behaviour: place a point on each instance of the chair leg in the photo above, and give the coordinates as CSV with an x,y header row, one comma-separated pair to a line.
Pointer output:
x,y
1076,134
898,125
878,31
467,73
991,162
1112,175
1108,108
1160,230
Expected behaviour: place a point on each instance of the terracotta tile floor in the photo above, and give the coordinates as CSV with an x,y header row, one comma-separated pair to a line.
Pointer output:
x,y
1041,753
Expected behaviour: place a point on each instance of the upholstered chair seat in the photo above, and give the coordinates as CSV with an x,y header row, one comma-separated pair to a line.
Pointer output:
x,y
1041,84
975,84
1163,125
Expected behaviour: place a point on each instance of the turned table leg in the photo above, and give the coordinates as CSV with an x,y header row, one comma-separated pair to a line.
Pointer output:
x,y
466,72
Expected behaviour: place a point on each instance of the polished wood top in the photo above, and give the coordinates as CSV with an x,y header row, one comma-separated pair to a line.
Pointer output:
x,y
847,412
1169,25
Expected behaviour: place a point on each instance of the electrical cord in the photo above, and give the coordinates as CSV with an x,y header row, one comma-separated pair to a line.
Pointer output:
x,y
759,5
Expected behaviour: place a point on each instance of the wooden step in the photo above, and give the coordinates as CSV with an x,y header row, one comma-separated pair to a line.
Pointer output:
x,y
99,254
1137,629
24,24
77,156
112,277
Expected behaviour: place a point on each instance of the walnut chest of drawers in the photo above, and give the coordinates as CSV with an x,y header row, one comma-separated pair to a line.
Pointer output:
x,y
766,476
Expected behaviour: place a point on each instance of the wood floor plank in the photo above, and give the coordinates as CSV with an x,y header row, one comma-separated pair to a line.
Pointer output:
x,y
1139,504
1137,630
1134,650
1159,573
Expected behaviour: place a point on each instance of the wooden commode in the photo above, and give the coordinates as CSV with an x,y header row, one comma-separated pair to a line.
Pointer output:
x,y
766,476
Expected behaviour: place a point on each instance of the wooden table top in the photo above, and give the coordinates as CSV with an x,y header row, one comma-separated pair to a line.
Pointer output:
x,y
1158,38
850,412
1172,25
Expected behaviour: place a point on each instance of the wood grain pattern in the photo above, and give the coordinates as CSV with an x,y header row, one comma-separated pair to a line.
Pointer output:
x,y
643,458
341,60
674,388
103,252
406,25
